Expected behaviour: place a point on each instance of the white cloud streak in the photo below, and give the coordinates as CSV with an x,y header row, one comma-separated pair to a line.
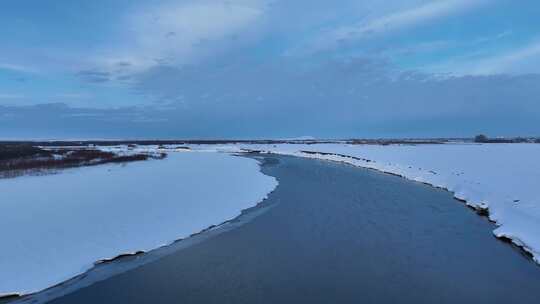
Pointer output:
x,y
521,60
17,68
518,61
396,21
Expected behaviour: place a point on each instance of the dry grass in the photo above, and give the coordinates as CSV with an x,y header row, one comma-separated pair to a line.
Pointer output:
x,y
16,160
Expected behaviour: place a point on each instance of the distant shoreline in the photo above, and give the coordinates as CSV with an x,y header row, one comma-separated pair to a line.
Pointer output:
x,y
365,141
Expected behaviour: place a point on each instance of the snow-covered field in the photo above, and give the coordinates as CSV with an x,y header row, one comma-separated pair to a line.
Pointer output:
x,y
502,178
54,227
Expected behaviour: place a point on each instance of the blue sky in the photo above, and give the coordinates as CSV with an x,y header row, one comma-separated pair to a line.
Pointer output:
x,y
268,68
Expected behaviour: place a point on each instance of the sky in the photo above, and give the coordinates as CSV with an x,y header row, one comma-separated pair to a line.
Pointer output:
x,y
268,68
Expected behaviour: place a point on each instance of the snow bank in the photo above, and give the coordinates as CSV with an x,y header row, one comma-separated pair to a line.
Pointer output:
x,y
56,226
501,178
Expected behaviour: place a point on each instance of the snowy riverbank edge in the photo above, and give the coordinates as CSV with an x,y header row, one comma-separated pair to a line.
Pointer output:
x,y
262,196
516,227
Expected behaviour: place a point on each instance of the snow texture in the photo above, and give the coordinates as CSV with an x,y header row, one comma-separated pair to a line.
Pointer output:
x,y
55,227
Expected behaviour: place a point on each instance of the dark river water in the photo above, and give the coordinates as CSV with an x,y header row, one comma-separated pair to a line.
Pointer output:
x,y
337,234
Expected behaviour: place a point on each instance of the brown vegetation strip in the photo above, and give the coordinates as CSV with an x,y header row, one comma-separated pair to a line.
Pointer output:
x,y
16,160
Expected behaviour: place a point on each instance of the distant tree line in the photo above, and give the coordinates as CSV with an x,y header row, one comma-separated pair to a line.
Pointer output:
x,y
482,138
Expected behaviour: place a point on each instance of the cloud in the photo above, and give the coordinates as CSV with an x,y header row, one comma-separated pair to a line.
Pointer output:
x,y
124,64
418,48
173,34
47,121
17,68
339,98
178,33
94,76
519,60
392,22
356,98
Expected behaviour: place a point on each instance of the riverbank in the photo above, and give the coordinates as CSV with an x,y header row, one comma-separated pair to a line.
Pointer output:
x,y
336,233
57,226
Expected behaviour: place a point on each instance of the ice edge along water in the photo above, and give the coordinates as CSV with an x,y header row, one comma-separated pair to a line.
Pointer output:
x,y
226,174
482,176
477,205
